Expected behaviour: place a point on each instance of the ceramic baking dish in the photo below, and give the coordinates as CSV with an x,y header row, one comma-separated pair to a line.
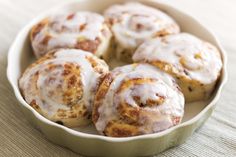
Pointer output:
x,y
85,140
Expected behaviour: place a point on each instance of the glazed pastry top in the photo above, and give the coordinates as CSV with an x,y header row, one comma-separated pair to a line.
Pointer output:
x,y
67,30
147,88
188,55
132,23
62,79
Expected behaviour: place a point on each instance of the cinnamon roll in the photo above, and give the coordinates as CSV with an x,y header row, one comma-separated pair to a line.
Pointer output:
x,y
195,64
132,23
137,99
62,84
80,30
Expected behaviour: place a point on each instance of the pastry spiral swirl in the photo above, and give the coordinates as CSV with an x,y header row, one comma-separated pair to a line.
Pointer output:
x,y
194,63
80,30
62,84
137,99
132,23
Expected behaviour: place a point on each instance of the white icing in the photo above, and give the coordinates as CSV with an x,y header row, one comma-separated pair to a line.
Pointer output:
x,y
173,104
51,103
93,21
66,32
181,50
127,16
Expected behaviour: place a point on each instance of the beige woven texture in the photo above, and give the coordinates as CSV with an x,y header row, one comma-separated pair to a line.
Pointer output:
x,y
217,137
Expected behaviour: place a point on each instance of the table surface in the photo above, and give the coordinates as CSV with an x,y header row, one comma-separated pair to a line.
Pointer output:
x,y
217,137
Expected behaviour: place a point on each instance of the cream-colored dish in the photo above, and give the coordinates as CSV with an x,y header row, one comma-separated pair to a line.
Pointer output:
x,y
85,140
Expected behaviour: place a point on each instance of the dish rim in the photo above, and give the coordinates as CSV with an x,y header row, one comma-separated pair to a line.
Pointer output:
x,y
39,117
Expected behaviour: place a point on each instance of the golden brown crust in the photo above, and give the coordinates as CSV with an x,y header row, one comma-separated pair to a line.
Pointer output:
x,y
100,94
38,27
88,45
193,89
121,129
